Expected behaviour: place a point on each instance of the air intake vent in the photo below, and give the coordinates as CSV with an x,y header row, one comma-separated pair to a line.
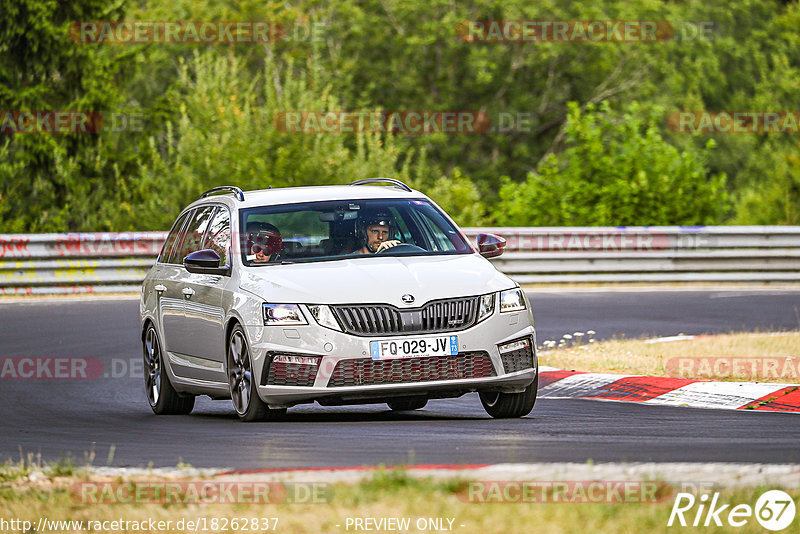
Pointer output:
x,y
363,371
382,319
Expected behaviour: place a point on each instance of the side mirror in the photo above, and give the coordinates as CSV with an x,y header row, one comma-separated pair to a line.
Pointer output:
x,y
204,262
490,245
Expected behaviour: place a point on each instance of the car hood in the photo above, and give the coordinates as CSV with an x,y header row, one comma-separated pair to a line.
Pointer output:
x,y
375,280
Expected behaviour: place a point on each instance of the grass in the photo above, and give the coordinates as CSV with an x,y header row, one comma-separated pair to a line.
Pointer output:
x,y
31,464
385,494
762,357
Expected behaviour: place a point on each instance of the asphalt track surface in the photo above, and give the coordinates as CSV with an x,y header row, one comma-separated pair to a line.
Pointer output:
x,y
87,418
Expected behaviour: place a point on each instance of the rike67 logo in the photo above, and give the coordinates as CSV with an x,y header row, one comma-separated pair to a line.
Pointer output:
x,y
774,510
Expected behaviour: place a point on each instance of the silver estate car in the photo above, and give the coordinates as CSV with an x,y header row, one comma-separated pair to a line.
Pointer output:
x,y
346,294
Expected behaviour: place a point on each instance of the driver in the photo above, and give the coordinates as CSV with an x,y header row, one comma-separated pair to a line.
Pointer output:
x,y
377,234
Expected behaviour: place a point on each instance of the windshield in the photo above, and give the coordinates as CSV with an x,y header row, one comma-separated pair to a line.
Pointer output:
x,y
332,230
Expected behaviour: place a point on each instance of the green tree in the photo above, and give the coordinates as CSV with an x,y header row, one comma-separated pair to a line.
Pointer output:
x,y
47,181
616,170
776,201
226,133
459,196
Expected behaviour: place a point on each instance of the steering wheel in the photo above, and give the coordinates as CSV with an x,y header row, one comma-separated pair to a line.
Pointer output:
x,y
406,248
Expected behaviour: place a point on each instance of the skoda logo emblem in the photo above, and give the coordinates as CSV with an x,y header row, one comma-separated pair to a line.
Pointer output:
x,y
408,299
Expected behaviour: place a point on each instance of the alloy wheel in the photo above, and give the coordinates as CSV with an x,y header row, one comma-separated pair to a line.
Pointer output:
x,y
152,366
240,372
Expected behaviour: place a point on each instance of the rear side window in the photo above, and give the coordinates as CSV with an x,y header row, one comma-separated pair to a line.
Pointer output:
x,y
164,257
219,235
194,233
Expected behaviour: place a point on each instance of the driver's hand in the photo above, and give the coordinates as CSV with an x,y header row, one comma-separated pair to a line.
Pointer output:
x,y
387,244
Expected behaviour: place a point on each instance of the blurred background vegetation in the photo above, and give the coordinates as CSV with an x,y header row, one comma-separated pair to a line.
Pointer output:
x,y
594,149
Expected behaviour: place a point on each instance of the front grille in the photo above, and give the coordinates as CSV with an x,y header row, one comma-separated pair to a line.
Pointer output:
x,y
383,319
364,372
290,374
517,360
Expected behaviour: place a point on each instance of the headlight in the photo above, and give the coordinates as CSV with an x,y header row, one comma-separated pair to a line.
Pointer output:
x,y
485,306
512,300
324,316
283,315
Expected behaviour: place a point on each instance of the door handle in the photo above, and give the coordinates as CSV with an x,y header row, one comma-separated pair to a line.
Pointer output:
x,y
188,292
160,288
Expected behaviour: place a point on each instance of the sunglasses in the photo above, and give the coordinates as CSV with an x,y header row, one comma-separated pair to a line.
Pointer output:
x,y
260,248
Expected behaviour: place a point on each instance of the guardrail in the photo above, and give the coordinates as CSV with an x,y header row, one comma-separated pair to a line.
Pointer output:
x,y
650,254
117,262
98,262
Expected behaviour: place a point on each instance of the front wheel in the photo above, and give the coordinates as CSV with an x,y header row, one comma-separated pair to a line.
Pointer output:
x,y
249,406
510,405
161,395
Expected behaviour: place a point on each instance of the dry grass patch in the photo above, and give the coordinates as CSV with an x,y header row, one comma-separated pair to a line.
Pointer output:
x,y
384,495
762,357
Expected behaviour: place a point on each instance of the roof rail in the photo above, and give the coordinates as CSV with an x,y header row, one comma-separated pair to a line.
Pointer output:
x,y
395,183
229,188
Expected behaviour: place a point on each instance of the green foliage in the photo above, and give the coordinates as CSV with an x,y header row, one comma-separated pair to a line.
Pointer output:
x,y
617,170
458,196
46,181
226,133
211,110
64,467
776,201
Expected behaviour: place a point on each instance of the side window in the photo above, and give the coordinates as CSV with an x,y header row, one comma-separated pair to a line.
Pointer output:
x,y
195,231
302,233
171,237
439,241
219,235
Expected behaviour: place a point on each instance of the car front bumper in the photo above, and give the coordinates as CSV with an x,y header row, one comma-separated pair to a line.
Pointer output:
x,y
332,347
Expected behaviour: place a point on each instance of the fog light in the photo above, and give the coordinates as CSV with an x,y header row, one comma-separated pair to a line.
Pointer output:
x,y
514,345
299,360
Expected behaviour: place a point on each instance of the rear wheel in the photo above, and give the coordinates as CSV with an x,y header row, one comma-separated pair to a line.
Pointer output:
x,y
249,406
404,405
508,405
161,396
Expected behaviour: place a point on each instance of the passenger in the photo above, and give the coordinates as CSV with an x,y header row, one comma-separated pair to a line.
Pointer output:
x,y
264,242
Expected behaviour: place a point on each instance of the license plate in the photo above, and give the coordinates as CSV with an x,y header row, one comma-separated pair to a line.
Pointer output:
x,y
410,348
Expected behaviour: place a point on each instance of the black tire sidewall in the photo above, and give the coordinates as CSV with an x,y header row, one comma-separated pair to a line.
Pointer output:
x,y
169,400
257,409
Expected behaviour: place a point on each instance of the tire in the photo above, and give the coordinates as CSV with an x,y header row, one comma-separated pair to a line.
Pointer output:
x,y
406,405
248,405
510,405
161,395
